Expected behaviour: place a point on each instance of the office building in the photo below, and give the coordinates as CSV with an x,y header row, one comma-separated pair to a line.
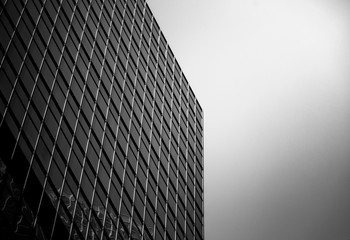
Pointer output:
x,y
101,134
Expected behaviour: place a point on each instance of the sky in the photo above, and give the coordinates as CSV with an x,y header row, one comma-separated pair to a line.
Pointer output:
x,y
273,79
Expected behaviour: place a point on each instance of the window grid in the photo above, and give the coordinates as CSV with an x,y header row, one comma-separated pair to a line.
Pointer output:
x,y
93,119
41,123
181,174
143,122
104,136
168,157
74,67
134,228
13,33
139,43
19,71
44,116
173,138
122,194
157,73
111,173
108,123
98,171
150,136
66,170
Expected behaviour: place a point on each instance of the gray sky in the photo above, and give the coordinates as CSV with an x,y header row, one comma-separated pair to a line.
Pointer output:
x,y
273,78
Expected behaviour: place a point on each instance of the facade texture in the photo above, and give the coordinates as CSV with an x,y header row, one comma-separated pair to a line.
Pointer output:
x,y
101,134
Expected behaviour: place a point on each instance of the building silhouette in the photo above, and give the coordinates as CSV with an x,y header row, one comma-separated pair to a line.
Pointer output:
x,y
101,134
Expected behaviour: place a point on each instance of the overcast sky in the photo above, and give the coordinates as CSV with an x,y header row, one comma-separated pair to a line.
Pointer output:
x,y
273,78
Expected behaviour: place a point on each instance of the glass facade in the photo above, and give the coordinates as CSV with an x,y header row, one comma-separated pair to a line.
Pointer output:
x,y
101,134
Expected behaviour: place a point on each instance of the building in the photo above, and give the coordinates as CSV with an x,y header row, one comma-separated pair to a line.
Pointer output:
x,y
101,134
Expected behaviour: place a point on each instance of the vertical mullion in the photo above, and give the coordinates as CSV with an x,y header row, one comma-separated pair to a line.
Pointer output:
x,y
171,135
152,114
139,130
132,117
3,7
105,125
178,151
122,31
118,120
160,132
168,144
181,122
93,118
178,147
148,157
130,120
194,173
14,32
187,144
197,108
